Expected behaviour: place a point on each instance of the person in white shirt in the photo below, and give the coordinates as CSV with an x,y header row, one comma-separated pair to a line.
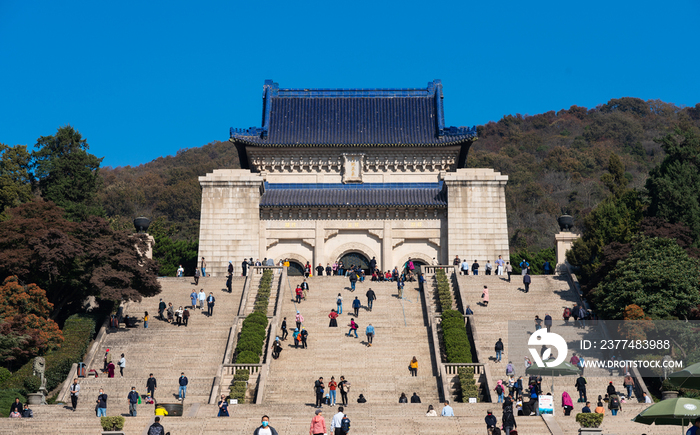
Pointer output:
x,y
202,298
122,364
431,412
265,428
647,399
180,271
447,411
464,267
337,421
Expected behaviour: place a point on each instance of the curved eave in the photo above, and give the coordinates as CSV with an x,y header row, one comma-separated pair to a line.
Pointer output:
x,y
457,141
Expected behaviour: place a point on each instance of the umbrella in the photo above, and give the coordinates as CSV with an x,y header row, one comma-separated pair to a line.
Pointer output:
x,y
680,411
689,377
563,369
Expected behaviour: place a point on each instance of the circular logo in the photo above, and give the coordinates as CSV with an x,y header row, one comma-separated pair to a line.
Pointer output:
x,y
690,407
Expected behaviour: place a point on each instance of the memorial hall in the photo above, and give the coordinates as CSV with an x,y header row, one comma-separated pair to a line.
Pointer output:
x,y
352,175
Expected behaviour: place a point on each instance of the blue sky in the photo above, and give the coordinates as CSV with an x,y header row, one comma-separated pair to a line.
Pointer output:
x,y
142,80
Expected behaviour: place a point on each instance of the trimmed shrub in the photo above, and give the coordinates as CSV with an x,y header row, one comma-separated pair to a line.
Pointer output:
x,y
78,330
241,375
247,357
444,290
238,390
7,398
455,338
112,423
589,419
467,383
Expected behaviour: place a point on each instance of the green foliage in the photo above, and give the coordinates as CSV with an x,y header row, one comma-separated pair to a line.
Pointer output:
x,y
4,375
15,176
238,390
241,375
32,384
68,175
674,185
535,259
78,330
263,297
467,383
589,419
444,290
643,279
112,423
7,398
247,357
455,338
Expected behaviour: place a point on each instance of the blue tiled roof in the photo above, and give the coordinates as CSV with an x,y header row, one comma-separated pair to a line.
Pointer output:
x,y
357,117
353,195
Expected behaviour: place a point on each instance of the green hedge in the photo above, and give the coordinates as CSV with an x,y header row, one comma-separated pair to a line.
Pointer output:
x,y
454,337
112,423
242,375
467,383
444,290
78,331
589,419
4,374
251,340
7,398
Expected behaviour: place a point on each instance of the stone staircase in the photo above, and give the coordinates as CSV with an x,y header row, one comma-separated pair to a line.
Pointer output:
x,y
379,372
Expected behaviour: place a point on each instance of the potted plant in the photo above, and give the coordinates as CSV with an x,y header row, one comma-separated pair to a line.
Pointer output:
x,y
590,423
668,390
112,425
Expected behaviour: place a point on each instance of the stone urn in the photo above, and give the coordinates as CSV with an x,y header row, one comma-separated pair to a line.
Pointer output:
x,y
566,222
141,224
35,398
669,395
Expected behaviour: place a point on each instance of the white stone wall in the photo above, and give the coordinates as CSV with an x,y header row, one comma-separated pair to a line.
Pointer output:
x,y
230,219
477,224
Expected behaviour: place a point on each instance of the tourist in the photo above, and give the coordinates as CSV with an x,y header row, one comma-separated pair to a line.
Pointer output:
x,y
646,398
413,367
122,364
133,398
171,312
182,382
548,322
369,331
305,288
485,296
399,286
299,294
581,388
296,337
145,319
264,428
431,412
371,297
339,303
587,408
156,428
337,422
299,319
341,269
204,269
304,335
223,407
508,421
415,398
499,265
319,389
464,267
244,267
333,322
599,409
509,269
356,306
151,385
17,406
447,410
284,329
307,269
468,311
344,387
475,268
196,276
488,268
547,268
403,398
27,413
421,282
74,392
566,403
161,309
202,298
210,304
178,316
318,424
524,266
193,299
614,404
353,280
499,349
361,399
180,271
628,383
107,360
566,315
500,390
110,369
102,404
353,328
329,269
319,270
276,348
332,388
456,261
185,316
230,268
526,281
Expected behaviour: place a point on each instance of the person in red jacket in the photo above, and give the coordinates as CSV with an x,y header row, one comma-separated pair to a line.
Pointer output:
x,y
318,424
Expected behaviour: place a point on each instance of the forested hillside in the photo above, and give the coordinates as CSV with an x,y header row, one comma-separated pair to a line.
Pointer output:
x,y
554,161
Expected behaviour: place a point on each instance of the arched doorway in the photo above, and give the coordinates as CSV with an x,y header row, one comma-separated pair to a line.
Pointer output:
x,y
418,264
295,269
355,259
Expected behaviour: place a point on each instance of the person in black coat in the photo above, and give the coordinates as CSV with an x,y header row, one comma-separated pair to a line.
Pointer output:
x,y
490,420
16,406
415,398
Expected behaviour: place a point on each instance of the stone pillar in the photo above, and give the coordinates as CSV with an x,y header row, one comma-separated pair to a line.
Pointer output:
x,y
387,261
564,241
476,215
230,220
